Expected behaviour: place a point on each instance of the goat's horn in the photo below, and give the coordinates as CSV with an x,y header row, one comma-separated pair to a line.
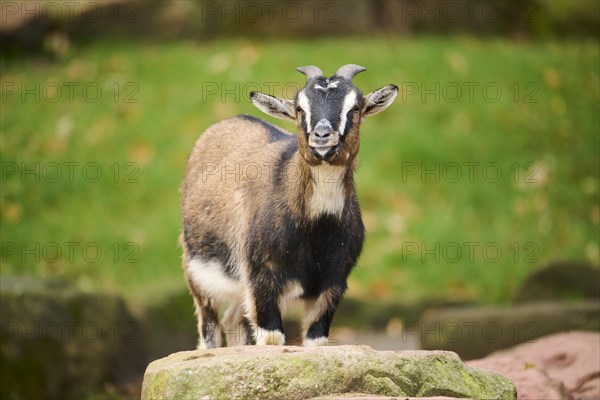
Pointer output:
x,y
349,70
310,71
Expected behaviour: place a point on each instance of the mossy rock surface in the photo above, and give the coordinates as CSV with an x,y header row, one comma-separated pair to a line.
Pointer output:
x,y
258,372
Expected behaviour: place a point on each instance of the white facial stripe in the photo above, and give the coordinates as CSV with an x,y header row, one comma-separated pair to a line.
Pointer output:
x,y
304,103
349,102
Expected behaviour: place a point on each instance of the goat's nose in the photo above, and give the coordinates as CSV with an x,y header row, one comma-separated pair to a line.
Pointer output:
x,y
323,131
323,128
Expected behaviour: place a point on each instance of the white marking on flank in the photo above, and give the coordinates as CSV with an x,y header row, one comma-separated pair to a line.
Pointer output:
x,y
211,278
349,102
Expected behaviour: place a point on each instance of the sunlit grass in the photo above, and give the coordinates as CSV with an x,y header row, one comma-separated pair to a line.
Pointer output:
x,y
427,182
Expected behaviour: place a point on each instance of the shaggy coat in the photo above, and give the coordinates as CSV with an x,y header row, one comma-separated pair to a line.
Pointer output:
x,y
270,217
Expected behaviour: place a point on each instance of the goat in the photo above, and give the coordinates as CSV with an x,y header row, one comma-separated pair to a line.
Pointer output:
x,y
270,217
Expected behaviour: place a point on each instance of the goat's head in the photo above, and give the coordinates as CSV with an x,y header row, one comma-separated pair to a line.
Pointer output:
x,y
328,113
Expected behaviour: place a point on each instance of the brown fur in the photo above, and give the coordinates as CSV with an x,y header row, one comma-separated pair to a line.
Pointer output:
x,y
266,220
227,142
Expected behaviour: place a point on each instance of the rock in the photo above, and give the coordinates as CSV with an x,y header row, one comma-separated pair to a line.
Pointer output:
x,y
58,342
561,280
532,382
474,332
358,396
560,366
260,372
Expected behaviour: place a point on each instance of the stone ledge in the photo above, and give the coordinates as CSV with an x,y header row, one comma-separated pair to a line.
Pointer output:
x,y
474,332
300,373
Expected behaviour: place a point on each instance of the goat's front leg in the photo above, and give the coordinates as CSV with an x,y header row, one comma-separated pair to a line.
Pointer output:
x,y
318,315
263,304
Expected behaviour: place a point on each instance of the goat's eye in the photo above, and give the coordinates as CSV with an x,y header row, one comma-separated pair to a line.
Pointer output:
x,y
298,109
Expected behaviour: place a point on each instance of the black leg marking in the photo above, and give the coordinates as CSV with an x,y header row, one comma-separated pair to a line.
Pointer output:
x,y
319,315
269,325
320,328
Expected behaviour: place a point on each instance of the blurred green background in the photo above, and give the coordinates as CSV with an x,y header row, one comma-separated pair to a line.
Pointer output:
x,y
485,168
428,167
440,221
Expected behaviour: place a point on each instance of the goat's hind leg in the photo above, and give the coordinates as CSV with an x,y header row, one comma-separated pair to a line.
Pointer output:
x,y
207,312
238,330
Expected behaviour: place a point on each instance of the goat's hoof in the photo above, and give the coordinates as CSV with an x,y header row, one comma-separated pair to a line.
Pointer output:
x,y
266,337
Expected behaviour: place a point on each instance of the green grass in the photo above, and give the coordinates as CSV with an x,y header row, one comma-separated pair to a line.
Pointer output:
x,y
552,141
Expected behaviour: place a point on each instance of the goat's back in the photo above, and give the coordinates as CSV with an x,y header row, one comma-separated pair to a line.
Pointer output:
x,y
229,169
232,145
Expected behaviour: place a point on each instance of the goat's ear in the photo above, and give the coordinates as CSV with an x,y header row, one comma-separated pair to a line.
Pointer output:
x,y
274,106
379,100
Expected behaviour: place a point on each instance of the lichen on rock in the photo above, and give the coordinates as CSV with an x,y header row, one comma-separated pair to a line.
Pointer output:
x,y
301,373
